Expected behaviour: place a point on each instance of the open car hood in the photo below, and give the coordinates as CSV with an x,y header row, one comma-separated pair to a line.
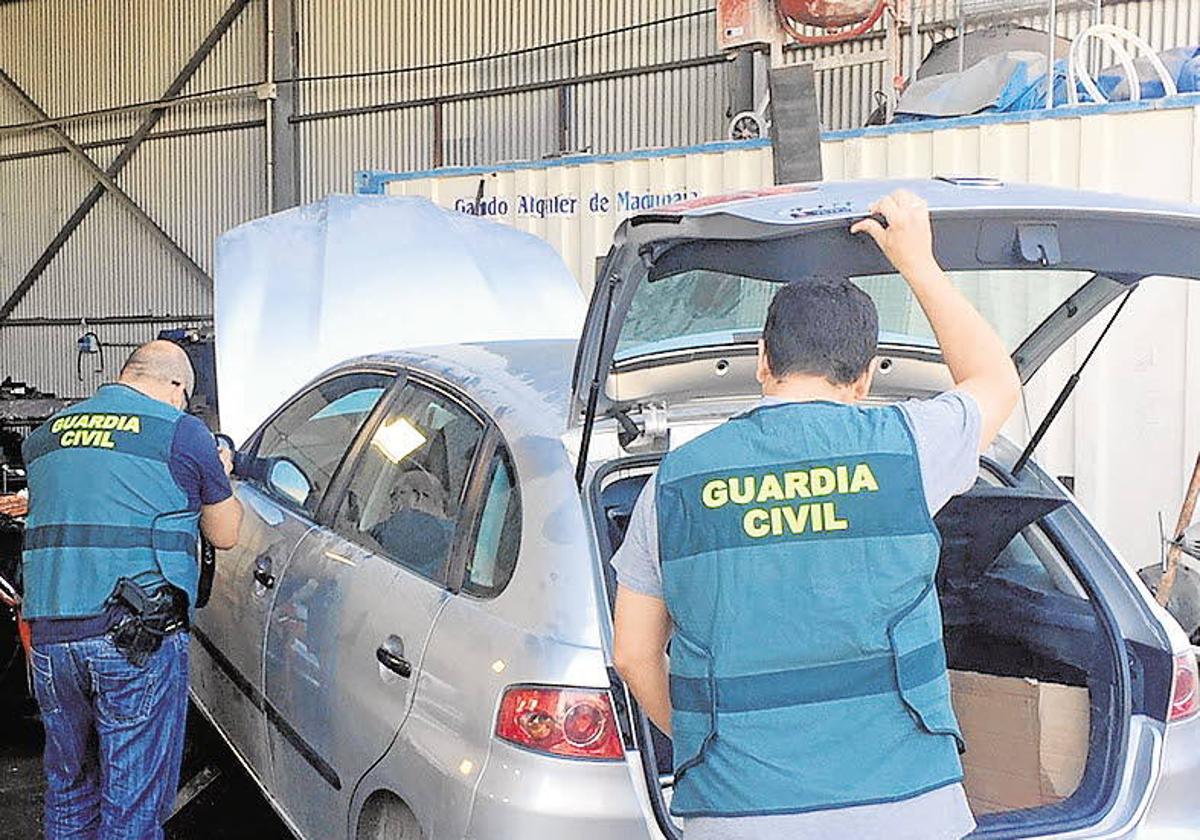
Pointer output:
x,y
305,289
803,230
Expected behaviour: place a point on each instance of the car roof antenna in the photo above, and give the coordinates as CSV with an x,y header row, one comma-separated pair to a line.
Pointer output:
x,y
589,414
1066,392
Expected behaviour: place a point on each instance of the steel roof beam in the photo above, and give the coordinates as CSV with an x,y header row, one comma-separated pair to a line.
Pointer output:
x,y
106,182
106,177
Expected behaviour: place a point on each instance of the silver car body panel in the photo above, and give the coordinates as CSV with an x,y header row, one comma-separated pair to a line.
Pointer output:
x,y
551,626
320,660
232,627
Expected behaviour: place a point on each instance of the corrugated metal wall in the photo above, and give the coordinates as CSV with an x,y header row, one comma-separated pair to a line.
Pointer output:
x,y
384,85
480,82
73,57
488,74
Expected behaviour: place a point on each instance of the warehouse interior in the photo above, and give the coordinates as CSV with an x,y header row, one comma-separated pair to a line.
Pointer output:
x,y
135,134
208,115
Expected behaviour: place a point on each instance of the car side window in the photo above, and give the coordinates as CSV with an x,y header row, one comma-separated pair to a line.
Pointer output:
x,y
498,538
403,499
300,449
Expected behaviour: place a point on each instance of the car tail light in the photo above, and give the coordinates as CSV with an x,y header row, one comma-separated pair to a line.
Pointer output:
x,y
1185,688
576,723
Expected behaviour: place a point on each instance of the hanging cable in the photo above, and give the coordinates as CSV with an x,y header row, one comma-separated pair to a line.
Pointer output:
x,y
250,87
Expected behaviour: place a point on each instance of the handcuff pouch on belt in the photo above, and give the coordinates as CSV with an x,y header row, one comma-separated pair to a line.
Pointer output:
x,y
146,618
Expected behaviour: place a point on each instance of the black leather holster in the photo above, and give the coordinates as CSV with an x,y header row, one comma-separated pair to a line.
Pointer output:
x,y
146,618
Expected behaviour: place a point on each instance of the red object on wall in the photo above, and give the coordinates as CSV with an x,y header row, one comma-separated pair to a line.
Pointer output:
x,y
827,14
830,15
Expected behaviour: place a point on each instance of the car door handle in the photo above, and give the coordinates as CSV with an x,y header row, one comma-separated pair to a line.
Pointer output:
x,y
391,656
262,571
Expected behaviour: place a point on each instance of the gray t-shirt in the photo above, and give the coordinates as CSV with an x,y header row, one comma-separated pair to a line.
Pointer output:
x,y
946,429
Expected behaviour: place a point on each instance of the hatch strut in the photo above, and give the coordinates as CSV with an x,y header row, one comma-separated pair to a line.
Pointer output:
x,y
589,414
1065,394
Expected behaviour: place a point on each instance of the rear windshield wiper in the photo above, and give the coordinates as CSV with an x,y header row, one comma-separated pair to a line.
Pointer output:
x,y
1067,390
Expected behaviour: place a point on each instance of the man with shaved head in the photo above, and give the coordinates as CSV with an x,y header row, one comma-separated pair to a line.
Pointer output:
x,y
120,488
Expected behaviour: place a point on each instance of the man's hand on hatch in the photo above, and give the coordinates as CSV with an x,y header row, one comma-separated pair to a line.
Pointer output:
x,y
907,241
976,356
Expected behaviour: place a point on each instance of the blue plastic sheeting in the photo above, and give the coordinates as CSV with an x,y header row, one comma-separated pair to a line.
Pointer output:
x,y
305,289
1015,82
1182,63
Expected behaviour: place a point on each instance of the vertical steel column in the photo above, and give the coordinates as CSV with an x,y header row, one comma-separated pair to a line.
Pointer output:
x,y
962,37
914,35
268,92
438,155
283,135
564,119
891,67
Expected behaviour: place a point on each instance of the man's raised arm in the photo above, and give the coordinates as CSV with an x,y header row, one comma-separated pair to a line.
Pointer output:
x,y
974,353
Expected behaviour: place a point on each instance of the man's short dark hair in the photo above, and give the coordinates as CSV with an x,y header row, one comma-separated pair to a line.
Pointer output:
x,y
821,326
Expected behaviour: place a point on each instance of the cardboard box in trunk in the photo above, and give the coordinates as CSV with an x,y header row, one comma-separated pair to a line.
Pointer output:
x,y
1027,741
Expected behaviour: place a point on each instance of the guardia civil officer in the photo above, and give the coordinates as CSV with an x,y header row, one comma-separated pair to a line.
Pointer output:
x,y
119,485
789,556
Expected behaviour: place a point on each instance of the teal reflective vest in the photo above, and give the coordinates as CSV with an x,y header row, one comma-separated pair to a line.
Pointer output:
x,y
104,505
807,666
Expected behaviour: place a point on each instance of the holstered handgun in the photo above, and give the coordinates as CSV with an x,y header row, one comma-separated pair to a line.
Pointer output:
x,y
146,618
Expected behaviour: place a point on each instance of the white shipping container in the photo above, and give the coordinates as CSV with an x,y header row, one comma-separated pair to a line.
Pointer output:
x,y
576,203
1130,434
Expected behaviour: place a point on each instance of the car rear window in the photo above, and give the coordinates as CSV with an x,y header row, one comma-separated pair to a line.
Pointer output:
x,y
706,308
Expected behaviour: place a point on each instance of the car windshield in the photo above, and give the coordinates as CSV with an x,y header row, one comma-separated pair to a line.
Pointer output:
x,y
706,308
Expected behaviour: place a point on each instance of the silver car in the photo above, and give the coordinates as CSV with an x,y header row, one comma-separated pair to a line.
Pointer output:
x,y
413,638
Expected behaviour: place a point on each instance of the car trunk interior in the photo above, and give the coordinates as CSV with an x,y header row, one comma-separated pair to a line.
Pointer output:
x,y
1033,668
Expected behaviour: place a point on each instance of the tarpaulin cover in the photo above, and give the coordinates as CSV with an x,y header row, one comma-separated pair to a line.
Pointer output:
x,y
1016,81
302,290
1182,63
996,83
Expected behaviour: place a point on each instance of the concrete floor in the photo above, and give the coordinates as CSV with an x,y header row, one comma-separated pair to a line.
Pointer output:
x,y
21,776
231,808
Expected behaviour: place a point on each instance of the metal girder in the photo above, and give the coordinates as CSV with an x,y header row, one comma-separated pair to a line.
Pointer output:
x,y
194,131
106,177
106,183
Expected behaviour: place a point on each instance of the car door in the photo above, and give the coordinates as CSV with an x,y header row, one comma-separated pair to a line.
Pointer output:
x,y
283,472
357,604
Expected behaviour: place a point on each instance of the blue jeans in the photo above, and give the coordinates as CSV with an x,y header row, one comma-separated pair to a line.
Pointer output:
x,y
114,737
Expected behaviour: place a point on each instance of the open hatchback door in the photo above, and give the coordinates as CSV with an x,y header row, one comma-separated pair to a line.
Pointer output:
x,y
1052,645
680,303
